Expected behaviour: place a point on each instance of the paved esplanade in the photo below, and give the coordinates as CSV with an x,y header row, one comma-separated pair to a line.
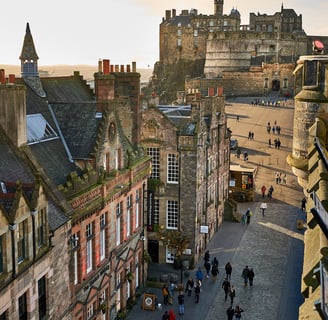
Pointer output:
x,y
271,245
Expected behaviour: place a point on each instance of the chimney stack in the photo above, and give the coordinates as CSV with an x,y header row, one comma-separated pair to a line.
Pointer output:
x,y
106,66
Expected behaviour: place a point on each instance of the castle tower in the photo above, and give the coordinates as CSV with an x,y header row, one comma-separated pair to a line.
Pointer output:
x,y
28,57
218,7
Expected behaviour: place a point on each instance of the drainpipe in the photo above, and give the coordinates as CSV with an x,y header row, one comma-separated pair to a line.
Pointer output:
x,y
33,213
12,227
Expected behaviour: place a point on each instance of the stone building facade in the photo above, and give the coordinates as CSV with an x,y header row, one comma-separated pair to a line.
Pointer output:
x,y
309,163
84,146
189,146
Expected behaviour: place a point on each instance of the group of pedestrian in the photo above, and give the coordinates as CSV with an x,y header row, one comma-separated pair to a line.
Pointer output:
x,y
234,312
277,143
169,315
248,276
250,135
246,217
195,285
280,178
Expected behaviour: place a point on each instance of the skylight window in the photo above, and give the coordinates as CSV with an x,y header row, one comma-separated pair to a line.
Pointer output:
x,y
38,129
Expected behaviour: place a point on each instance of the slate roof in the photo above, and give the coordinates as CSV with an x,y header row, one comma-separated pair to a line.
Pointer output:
x,y
12,168
56,218
69,108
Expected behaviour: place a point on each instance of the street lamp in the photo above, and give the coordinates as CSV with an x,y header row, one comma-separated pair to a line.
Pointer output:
x,y
143,239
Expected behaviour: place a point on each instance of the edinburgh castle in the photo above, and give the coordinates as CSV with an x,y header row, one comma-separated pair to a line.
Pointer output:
x,y
199,51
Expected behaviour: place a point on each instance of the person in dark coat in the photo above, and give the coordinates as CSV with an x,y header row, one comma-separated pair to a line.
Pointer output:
x,y
244,274
226,288
207,256
165,316
197,292
228,270
230,313
232,294
251,275
189,286
207,267
238,312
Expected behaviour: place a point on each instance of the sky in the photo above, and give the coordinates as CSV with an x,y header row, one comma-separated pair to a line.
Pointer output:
x,y
74,32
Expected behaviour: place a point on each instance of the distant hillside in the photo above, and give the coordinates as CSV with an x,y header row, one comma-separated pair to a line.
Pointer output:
x,y
87,71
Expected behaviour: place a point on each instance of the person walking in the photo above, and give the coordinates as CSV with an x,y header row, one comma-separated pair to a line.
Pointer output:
x,y
244,275
230,313
232,294
251,275
189,286
207,267
165,316
248,215
263,207
226,287
270,192
197,292
181,303
215,262
238,311
228,270
214,271
199,275
172,315
165,293
263,190
171,289
207,256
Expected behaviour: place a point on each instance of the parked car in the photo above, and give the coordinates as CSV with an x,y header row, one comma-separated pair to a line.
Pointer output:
x,y
233,144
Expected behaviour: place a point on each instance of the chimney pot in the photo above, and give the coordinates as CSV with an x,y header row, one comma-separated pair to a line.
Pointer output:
x,y
11,78
106,66
2,76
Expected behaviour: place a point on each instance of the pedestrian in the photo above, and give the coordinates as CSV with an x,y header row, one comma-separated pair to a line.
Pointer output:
x,y
228,270
277,177
199,275
263,206
252,136
181,303
230,313
270,192
215,262
232,294
207,256
226,287
237,118
245,156
165,316
207,267
269,143
249,135
251,275
244,275
197,292
238,312
303,204
238,153
165,293
214,271
171,288
189,286
263,189
172,315
248,215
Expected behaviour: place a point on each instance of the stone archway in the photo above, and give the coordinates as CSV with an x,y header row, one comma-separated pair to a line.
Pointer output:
x,y
275,85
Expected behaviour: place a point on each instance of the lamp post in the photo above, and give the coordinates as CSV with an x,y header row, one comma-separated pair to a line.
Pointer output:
x,y
143,239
